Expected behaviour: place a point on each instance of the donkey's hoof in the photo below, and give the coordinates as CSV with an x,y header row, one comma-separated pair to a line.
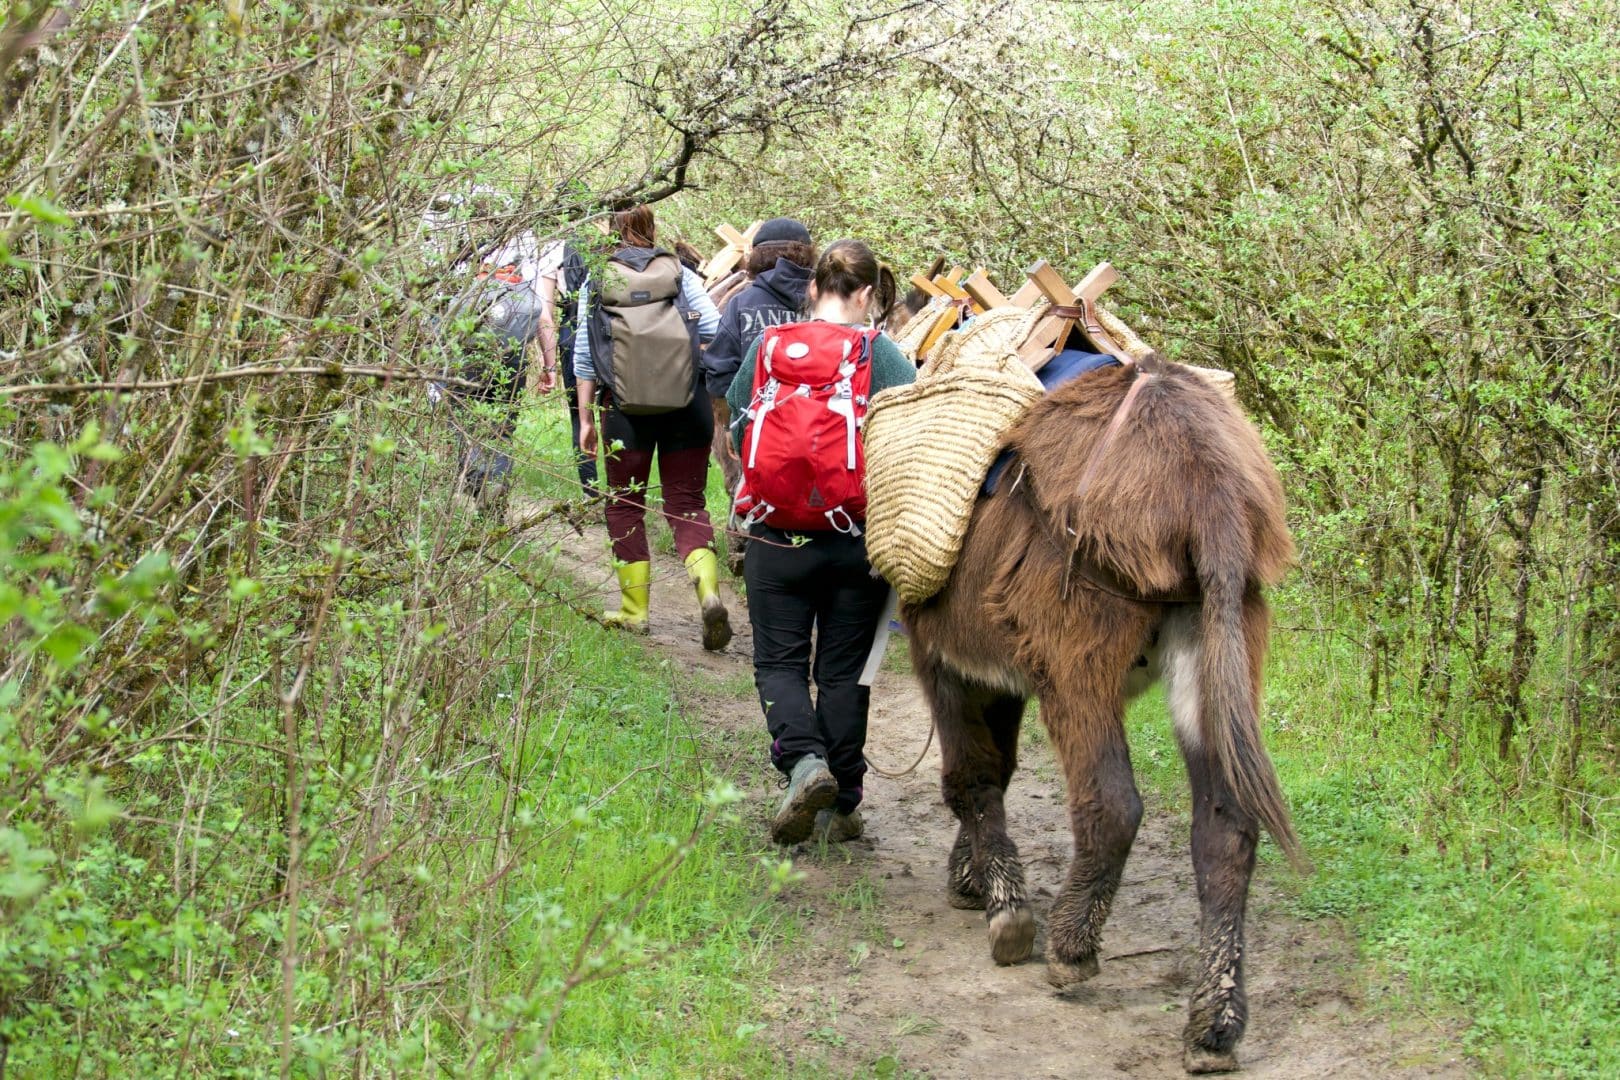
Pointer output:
x,y
1012,935
1196,1059
1067,976
964,901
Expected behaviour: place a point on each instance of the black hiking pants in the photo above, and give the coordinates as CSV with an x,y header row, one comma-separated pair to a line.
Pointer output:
x,y
819,591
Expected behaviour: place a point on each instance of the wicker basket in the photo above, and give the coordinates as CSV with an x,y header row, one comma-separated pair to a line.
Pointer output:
x,y
1222,380
929,444
910,337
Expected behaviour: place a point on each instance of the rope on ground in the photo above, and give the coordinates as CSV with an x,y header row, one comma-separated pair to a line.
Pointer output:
x,y
909,769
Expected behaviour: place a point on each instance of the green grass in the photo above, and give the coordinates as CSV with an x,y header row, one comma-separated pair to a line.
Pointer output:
x,y
1474,908
454,947
711,934
714,931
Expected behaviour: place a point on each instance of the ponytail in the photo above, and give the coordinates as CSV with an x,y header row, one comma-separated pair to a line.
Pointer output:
x,y
847,267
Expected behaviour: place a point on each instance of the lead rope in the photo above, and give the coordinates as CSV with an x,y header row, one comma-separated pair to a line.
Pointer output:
x,y
874,661
909,769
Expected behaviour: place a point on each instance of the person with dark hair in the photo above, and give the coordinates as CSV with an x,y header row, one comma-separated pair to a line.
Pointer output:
x,y
778,269
690,257
779,265
636,355
801,395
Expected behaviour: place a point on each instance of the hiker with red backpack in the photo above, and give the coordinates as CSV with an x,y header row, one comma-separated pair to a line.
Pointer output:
x,y
800,398
636,355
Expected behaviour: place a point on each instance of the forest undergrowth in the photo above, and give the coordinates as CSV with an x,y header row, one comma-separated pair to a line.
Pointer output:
x,y
518,854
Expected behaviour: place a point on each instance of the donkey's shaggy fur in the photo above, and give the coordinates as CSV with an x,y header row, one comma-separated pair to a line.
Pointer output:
x,y
1080,573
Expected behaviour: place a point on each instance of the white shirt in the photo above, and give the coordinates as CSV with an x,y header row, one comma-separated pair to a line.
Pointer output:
x,y
550,266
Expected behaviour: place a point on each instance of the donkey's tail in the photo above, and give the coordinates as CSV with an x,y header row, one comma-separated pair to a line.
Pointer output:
x,y
1229,721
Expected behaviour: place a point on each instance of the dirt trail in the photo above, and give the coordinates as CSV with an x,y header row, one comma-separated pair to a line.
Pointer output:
x,y
891,980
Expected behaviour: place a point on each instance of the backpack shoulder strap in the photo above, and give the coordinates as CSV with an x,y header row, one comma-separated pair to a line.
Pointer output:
x,y
767,349
690,316
574,269
869,344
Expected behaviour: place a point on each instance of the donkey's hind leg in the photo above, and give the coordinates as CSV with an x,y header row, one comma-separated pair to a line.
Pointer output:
x,y
1104,811
978,739
1223,845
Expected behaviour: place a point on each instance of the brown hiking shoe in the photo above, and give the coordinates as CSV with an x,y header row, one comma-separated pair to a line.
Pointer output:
x,y
811,789
834,828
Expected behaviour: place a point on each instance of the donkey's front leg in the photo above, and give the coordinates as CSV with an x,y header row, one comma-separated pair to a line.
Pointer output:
x,y
1104,812
978,739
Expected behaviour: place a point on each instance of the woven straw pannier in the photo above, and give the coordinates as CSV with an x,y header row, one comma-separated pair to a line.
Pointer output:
x,y
1137,349
929,445
911,335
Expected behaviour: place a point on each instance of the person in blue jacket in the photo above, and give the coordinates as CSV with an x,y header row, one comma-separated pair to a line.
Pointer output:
x,y
779,268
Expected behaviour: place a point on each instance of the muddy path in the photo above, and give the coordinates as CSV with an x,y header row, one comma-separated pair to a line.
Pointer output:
x,y
888,980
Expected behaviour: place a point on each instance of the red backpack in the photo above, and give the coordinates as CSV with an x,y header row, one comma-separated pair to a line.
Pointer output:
x,y
804,466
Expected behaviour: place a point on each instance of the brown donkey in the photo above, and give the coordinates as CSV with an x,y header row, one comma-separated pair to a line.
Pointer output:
x,y
1104,560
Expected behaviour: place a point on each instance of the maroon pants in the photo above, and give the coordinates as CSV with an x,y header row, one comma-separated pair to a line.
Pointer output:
x,y
683,474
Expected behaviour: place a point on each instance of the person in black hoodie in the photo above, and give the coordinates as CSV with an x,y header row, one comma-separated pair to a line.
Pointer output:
x,y
780,265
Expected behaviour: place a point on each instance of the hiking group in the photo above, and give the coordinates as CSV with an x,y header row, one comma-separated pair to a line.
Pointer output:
x,y
651,366
1080,580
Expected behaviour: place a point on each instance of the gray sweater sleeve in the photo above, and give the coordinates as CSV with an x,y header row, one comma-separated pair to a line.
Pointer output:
x,y
584,366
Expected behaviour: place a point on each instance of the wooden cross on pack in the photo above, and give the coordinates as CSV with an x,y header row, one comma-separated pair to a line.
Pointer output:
x,y
986,296
1072,310
949,286
731,256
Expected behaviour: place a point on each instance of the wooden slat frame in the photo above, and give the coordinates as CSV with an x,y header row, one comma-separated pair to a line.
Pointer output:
x,y
1027,294
983,291
1051,333
944,322
728,258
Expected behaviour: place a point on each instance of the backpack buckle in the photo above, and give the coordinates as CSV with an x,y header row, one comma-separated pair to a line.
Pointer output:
x,y
758,514
847,526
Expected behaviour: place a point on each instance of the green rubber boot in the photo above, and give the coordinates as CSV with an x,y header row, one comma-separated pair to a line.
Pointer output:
x,y
704,569
634,590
